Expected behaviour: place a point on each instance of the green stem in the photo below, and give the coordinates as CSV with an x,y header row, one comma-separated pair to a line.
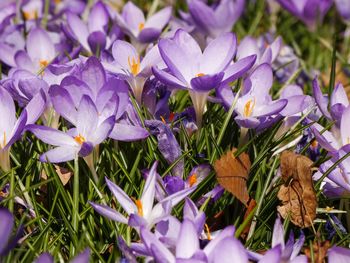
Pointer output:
x,y
76,195
12,191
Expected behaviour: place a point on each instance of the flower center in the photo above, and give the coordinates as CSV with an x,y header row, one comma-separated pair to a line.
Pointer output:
x,y
248,108
134,65
314,144
138,204
79,139
28,15
141,26
192,179
43,63
200,75
57,1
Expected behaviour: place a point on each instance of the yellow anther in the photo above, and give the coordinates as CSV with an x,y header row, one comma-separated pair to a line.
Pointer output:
x,y
192,179
328,209
163,120
3,141
79,139
138,204
134,65
57,1
314,144
249,107
141,26
28,15
207,230
43,63
200,75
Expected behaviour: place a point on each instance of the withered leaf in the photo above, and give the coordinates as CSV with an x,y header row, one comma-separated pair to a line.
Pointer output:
x,y
319,250
63,173
298,196
232,174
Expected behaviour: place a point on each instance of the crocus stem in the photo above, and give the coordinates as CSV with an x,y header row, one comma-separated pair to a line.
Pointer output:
x,y
76,195
12,191
5,160
243,139
90,163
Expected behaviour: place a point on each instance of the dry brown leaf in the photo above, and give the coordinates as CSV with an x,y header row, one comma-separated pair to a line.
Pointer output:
x,y
298,196
319,251
252,204
232,174
64,174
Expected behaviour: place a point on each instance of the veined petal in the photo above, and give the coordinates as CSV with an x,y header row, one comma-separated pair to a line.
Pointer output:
x,y
124,200
7,54
125,54
238,69
133,16
79,29
108,212
60,154
35,107
230,249
278,233
218,54
168,79
103,130
98,18
272,256
39,45
260,80
147,198
52,136
159,19
326,139
187,243
93,74
210,248
87,117
8,111
127,133
23,61
321,100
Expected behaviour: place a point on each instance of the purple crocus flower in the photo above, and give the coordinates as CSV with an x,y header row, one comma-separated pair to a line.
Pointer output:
x,y
40,52
223,248
11,128
128,65
337,102
90,130
198,71
217,19
256,106
281,251
93,35
139,29
141,212
308,11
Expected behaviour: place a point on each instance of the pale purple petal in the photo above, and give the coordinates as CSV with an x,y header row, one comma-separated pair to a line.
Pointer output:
x,y
83,257
272,256
87,117
52,136
23,61
93,74
108,212
159,19
187,243
278,233
168,79
103,130
7,54
79,29
45,258
35,107
324,138
338,255
345,126
207,82
237,69
322,101
124,200
127,133
124,53
209,249
260,80
39,45
98,18
147,198
133,16
60,154
229,249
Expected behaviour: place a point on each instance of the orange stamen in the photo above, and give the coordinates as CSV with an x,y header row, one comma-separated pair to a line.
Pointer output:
x,y
207,231
200,75
138,204
249,107
163,120
192,179
141,26
314,144
30,15
134,65
79,139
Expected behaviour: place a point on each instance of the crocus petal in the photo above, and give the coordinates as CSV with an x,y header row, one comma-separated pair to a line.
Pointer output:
x,y
123,53
35,107
108,212
247,47
338,255
168,79
148,35
83,257
17,129
150,240
8,111
97,41
272,256
79,29
206,82
237,69
63,103
7,54
60,154
76,88
321,100
187,242
278,233
133,16
299,259
345,126
45,258
103,130
23,61
325,139
98,17
159,19
127,133
249,122
201,14
147,198
51,136
229,249
298,246
87,117
218,54
6,225
124,200
93,74
85,149
260,80
272,108
39,45
137,221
